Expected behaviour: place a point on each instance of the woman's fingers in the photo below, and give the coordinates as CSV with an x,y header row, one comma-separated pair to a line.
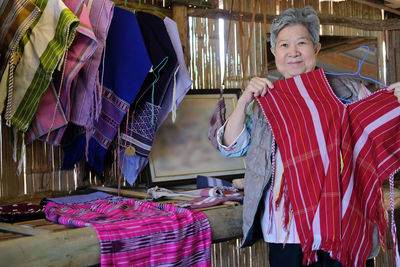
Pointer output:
x,y
395,87
259,86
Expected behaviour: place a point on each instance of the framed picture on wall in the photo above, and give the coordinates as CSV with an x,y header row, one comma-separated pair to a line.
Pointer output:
x,y
181,150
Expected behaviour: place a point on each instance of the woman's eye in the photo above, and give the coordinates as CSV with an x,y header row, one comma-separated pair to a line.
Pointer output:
x,y
302,43
284,45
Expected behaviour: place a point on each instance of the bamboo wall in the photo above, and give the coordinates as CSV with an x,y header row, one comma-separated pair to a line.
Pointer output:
x,y
204,37
41,165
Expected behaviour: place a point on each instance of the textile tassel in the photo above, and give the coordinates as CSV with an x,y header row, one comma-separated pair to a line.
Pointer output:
x,y
99,95
280,193
270,203
10,90
174,98
393,224
152,106
118,159
62,64
87,135
286,208
288,227
22,157
15,144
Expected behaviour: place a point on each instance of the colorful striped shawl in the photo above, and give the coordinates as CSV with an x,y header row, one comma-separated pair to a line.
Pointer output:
x,y
313,129
51,116
15,18
45,45
135,233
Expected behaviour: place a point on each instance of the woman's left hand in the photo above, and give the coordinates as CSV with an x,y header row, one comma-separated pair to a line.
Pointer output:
x,y
396,90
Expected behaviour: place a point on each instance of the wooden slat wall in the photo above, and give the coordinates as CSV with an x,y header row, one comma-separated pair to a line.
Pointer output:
x,y
43,161
393,56
201,54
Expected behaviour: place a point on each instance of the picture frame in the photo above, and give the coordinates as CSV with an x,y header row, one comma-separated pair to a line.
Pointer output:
x,y
181,150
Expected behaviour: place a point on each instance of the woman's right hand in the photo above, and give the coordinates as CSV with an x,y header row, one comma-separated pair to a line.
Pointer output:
x,y
257,87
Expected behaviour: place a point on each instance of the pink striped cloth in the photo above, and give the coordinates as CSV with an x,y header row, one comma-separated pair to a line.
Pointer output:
x,y
334,210
135,233
51,116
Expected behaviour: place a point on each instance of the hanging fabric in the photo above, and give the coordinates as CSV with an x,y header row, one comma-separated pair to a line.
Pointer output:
x,y
147,105
132,164
16,16
53,113
126,64
177,88
44,47
86,89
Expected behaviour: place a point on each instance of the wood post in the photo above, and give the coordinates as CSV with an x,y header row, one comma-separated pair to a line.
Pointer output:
x,y
180,16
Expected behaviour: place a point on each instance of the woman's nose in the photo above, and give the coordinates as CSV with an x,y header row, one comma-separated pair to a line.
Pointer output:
x,y
293,51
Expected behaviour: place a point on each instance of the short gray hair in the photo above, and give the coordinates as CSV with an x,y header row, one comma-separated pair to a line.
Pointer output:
x,y
292,16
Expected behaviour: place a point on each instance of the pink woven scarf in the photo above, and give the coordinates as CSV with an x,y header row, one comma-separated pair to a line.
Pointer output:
x,y
335,203
135,233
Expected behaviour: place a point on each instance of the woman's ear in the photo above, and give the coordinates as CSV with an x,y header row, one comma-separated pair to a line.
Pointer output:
x,y
317,49
272,50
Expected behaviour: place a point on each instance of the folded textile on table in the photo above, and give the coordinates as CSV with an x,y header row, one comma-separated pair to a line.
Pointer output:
x,y
207,181
202,198
21,212
217,191
82,199
135,233
204,202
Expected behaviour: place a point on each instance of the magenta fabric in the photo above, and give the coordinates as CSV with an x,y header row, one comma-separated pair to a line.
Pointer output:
x,y
135,233
82,48
335,203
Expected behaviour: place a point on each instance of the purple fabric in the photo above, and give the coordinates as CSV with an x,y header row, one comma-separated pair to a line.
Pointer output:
x,y
83,95
79,199
140,131
125,68
183,80
156,92
206,181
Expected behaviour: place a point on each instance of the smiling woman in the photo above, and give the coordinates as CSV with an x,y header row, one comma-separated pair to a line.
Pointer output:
x,y
295,52
295,45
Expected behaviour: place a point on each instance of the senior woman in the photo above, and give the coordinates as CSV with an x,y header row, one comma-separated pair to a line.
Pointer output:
x,y
295,45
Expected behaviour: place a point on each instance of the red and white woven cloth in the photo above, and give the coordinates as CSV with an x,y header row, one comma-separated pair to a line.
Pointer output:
x,y
335,202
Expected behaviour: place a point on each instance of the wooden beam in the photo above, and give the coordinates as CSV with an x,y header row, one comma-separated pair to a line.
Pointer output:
x,y
150,9
349,64
8,227
364,24
77,247
347,45
80,247
180,16
226,223
378,5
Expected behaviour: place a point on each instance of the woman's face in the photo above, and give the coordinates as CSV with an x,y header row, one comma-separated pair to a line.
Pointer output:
x,y
294,51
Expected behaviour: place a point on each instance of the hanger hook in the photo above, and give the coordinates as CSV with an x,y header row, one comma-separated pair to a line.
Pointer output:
x,y
360,62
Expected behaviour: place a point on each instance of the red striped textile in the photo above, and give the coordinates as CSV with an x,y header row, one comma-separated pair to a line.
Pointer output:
x,y
135,233
334,210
